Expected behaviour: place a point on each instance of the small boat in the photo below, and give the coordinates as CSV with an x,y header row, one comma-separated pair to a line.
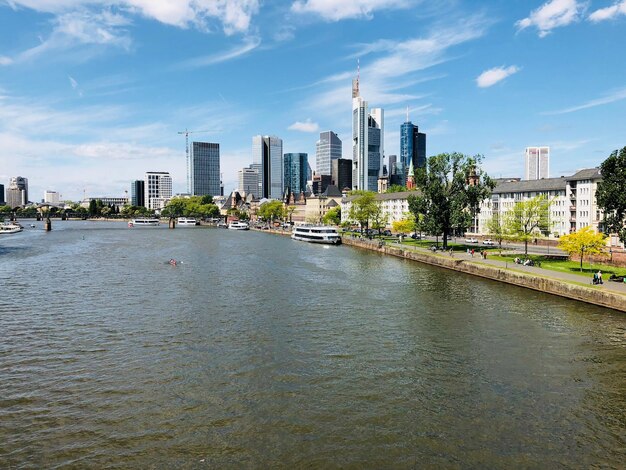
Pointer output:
x,y
144,223
316,234
9,228
187,222
32,226
238,225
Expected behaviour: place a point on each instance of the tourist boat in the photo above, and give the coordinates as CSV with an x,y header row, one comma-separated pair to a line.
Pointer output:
x,y
238,225
187,222
9,228
316,234
144,223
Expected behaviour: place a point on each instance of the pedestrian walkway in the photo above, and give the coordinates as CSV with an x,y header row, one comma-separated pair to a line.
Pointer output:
x,y
616,287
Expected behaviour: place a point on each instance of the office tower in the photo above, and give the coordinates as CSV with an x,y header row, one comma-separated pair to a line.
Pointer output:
x,y
2,200
137,193
267,154
367,142
327,149
309,172
412,145
296,168
249,181
158,189
537,164
17,193
51,197
320,183
341,173
204,169
393,159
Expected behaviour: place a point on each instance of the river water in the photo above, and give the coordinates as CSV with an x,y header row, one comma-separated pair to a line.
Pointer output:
x,y
262,352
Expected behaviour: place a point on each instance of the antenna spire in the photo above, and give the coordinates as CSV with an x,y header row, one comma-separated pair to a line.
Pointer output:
x,y
407,113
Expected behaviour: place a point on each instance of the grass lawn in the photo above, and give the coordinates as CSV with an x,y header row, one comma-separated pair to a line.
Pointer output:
x,y
566,266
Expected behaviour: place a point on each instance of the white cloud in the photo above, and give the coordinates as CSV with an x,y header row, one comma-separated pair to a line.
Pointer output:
x,y
4,60
73,82
552,14
617,95
306,126
203,61
492,76
609,13
336,10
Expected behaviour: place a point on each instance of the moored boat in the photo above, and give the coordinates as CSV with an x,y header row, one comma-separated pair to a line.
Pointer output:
x,y
144,223
9,228
187,222
316,234
238,225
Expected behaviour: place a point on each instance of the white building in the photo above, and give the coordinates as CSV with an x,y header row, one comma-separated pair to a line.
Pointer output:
x,y
158,189
395,206
51,197
537,163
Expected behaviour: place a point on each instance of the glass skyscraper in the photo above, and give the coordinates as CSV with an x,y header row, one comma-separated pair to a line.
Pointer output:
x,y
327,149
412,146
267,156
205,169
137,193
296,168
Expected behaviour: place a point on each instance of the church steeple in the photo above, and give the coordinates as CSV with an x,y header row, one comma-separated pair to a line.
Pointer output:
x,y
410,180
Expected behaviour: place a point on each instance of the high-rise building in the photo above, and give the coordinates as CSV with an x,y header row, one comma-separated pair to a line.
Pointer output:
x,y
267,154
367,142
537,163
204,169
327,149
17,193
2,200
51,197
158,189
137,193
341,173
412,145
296,168
249,181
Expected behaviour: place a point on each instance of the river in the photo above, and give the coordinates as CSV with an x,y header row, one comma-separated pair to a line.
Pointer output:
x,y
262,352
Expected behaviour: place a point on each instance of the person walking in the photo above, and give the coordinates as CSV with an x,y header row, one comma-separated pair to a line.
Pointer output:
x,y
600,277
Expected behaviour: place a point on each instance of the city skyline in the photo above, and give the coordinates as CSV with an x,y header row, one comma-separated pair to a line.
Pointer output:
x,y
89,88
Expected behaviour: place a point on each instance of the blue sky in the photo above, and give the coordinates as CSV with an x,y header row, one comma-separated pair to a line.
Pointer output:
x,y
93,92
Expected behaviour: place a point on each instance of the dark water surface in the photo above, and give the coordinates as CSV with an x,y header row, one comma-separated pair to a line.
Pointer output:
x,y
262,352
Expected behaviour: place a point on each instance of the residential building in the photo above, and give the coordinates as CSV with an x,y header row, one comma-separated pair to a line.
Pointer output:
x,y
267,152
17,193
341,173
537,163
412,146
248,181
204,169
158,189
318,205
367,142
51,197
395,206
295,167
327,150
581,192
138,193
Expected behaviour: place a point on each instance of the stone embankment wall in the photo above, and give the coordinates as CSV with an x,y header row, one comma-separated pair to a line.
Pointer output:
x,y
551,286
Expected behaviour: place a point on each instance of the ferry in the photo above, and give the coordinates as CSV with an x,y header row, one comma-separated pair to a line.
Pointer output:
x,y
316,234
144,223
9,228
187,222
238,225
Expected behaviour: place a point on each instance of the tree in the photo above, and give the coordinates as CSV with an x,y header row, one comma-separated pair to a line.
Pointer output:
x,y
271,211
451,190
611,196
528,219
396,188
378,217
403,226
206,199
362,208
93,208
586,240
497,230
333,216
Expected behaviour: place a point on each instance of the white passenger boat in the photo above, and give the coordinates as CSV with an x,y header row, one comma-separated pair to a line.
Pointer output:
x,y
238,225
316,234
9,228
144,223
187,222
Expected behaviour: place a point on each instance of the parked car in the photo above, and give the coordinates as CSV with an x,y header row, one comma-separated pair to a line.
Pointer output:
x,y
488,241
386,233
471,240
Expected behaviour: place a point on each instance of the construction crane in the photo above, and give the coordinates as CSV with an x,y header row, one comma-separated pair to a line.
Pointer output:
x,y
186,134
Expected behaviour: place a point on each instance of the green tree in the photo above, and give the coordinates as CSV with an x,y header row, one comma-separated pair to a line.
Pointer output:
x,y
611,193
528,219
362,208
206,199
403,226
497,230
585,241
378,217
451,188
396,188
271,211
93,208
333,216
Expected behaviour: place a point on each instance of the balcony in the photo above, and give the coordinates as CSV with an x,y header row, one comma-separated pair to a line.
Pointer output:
x,y
572,219
572,208
572,196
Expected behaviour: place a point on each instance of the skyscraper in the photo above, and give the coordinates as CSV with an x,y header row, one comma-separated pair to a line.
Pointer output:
x,y
51,197
248,181
267,155
537,163
341,173
296,168
327,149
17,193
137,193
367,142
204,169
158,189
412,145
2,201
